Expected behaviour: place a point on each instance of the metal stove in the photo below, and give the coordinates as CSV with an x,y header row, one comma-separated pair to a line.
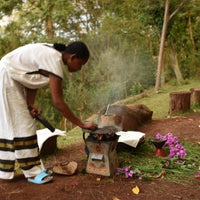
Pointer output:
x,y
100,146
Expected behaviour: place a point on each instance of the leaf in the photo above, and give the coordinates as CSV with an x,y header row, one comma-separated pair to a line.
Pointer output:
x,y
98,179
161,175
115,198
136,190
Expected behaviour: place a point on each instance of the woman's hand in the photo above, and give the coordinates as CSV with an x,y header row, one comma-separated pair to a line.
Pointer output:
x,y
34,110
89,125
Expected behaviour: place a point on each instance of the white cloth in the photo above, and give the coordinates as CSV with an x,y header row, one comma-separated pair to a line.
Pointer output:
x,y
18,139
130,138
44,134
32,58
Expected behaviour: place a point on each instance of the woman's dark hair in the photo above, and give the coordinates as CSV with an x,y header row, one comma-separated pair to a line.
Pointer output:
x,y
78,48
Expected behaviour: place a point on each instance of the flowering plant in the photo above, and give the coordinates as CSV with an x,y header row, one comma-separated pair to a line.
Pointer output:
x,y
176,149
197,175
129,173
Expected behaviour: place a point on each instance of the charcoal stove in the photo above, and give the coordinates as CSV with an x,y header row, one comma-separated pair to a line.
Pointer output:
x,y
100,146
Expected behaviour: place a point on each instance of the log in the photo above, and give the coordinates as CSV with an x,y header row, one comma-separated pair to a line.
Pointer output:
x,y
179,102
124,117
195,95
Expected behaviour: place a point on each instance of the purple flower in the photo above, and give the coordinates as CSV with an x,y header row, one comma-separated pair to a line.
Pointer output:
x,y
127,175
179,161
197,174
127,169
120,169
174,146
158,136
167,164
140,178
127,172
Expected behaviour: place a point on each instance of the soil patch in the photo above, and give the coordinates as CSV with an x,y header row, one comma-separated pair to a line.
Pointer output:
x,y
83,186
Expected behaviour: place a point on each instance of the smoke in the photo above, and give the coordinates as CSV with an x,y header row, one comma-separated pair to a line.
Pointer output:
x,y
118,72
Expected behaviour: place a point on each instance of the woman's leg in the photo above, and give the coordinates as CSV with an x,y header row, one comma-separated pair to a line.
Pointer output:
x,y
18,139
7,156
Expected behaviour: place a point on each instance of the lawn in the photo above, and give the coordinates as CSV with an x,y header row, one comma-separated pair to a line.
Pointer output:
x,y
158,102
141,158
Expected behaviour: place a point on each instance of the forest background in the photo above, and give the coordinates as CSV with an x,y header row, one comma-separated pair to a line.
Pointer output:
x,y
134,45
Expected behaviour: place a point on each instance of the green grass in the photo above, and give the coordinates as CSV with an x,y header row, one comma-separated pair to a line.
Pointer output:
x,y
141,157
71,137
159,102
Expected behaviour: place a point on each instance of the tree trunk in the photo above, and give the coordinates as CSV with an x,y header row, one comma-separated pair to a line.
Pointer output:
x,y
179,102
49,23
164,30
190,31
175,65
49,28
162,44
195,95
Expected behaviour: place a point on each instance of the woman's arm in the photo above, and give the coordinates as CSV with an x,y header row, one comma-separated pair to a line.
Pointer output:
x,y
58,101
31,94
30,99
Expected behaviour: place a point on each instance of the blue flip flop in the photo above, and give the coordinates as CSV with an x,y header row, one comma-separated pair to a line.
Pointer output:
x,y
39,179
48,171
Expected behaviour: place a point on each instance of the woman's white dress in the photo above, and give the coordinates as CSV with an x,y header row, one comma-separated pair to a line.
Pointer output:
x,y
18,71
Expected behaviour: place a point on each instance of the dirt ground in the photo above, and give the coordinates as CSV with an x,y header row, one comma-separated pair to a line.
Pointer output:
x,y
94,187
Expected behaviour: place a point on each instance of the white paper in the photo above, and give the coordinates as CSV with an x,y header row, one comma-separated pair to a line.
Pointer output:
x,y
44,134
130,138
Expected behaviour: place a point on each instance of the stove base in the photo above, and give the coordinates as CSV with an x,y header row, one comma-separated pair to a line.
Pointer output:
x,y
102,158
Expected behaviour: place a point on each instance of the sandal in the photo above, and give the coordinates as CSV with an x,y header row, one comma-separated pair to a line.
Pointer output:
x,y
40,178
66,168
48,171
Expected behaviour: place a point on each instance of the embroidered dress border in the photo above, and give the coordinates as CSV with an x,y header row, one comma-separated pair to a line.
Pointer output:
x,y
7,145
7,165
18,143
25,142
28,163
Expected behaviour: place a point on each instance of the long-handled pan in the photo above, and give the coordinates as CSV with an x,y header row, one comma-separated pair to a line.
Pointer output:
x,y
41,119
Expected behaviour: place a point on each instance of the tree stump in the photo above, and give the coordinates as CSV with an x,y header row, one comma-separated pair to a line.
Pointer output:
x,y
179,101
195,95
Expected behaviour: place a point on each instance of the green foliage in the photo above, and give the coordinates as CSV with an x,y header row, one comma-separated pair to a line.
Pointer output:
x,y
11,38
159,103
136,89
8,6
123,37
142,158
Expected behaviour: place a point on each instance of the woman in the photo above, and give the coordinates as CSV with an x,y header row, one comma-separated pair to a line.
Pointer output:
x,y
22,72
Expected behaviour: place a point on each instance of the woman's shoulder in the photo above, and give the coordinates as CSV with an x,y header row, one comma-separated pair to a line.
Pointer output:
x,y
44,49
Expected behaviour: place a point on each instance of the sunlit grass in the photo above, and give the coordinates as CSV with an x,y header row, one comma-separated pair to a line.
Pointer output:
x,y
71,137
159,102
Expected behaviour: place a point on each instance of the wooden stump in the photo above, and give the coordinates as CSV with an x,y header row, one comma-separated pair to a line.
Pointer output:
x,y
195,95
179,101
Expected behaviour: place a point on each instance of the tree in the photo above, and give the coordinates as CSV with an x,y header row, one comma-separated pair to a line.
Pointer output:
x,y
166,20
